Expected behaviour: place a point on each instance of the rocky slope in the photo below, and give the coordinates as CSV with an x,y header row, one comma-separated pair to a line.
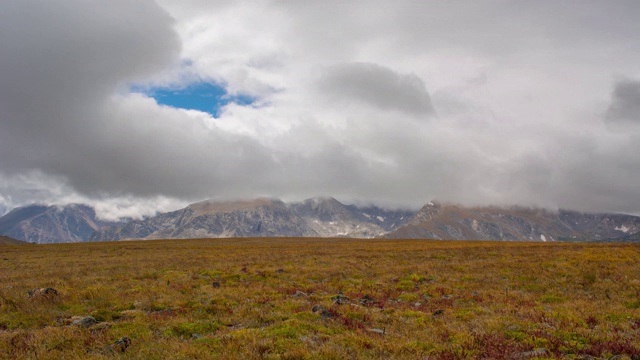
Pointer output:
x,y
389,220
438,221
51,224
631,238
324,217
5,240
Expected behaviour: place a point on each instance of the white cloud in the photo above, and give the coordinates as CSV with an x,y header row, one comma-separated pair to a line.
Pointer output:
x,y
511,103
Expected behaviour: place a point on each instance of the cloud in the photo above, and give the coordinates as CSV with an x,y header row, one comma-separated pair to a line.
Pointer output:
x,y
625,104
40,188
61,61
518,92
376,86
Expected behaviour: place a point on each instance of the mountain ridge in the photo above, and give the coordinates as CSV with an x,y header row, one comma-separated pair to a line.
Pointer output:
x,y
43,224
320,217
324,217
455,222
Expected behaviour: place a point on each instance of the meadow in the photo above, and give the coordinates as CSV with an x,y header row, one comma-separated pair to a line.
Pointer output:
x,y
282,298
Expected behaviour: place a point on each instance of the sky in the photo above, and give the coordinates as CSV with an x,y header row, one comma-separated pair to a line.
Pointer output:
x,y
141,106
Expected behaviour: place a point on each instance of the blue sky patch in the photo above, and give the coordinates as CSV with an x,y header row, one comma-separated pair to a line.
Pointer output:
x,y
203,96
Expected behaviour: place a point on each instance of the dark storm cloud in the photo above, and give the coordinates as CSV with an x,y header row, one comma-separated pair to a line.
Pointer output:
x,y
60,63
625,104
377,86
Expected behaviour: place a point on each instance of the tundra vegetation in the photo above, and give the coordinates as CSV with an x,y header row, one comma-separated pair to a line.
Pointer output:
x,y
282,298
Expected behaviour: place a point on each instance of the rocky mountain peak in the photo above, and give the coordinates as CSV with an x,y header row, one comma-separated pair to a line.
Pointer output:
x,y
427,212
51,224
323,208
214,207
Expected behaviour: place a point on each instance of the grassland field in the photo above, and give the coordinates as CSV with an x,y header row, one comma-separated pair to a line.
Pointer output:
x,y
285,298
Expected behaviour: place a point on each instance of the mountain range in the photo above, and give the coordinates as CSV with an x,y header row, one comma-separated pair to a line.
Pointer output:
x,y
320,217
438,221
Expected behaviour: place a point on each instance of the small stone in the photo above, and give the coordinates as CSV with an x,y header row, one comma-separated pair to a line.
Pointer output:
x,y
300,294
43,293
339,299
85,322
377,331
447,297
367,300
417,304
324,313
196,336
119,345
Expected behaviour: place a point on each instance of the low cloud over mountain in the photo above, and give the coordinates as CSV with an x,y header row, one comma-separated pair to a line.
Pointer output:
x,y
487,103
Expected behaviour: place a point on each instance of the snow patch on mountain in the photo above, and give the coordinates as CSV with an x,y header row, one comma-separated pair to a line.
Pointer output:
x,y
623,228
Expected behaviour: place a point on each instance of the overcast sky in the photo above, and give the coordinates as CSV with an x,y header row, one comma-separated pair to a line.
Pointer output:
x,y
533,103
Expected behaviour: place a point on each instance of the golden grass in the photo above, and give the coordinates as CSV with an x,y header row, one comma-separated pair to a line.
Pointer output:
x,y
404,299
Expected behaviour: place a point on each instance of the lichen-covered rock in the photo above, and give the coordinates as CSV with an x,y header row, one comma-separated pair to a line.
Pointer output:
x,y
119,345
46,292
84,321
340,298
367,300
300,294
324,313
